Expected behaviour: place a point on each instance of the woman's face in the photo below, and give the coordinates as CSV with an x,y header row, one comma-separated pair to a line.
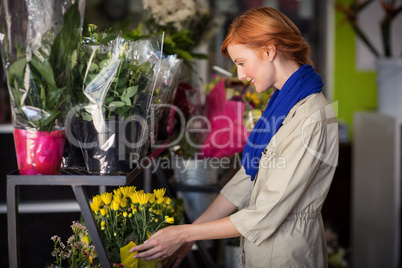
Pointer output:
x,y
253,67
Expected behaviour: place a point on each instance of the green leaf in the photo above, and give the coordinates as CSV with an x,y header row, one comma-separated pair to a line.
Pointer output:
x,y
184,54
116,104
126,100
103,64
43,96
108,100
48,121
93,67
109,37
200,56
86,116
17,68
146,66
16,95
122,82
131,91
66,41
74,58
44,70
53,97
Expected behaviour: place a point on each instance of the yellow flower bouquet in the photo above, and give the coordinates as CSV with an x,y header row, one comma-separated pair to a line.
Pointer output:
x,y
126,217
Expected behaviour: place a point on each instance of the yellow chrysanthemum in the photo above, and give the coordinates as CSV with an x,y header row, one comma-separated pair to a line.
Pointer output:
x,y
104,211
115,205
117,198
151,198
117,192
123,202
168,200
96,203
159,193
169,220
127,190
103,223
160,200
125,214
157,212
107,198
139,197
134,198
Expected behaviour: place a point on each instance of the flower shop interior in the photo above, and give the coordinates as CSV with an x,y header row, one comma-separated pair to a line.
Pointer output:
x,y
156,65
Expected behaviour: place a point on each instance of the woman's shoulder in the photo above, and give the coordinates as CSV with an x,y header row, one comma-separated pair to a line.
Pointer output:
x,y
309,107
315,106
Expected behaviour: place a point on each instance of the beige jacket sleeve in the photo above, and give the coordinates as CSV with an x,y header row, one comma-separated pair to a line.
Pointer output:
x,y
238,189
285,171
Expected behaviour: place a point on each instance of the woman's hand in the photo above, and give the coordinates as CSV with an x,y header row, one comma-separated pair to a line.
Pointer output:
x,y
177,257
214,223
163,244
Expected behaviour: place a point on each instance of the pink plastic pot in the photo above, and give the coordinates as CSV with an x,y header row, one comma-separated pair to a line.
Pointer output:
x,y
39,152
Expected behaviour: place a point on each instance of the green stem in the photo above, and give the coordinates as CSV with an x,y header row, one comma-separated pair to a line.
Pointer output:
x,y
117,81
118,74
144,225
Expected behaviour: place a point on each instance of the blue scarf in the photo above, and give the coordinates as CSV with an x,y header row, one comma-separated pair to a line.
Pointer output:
x,y
301,84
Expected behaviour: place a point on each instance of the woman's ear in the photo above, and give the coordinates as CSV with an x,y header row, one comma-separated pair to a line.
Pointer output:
x,y
270,52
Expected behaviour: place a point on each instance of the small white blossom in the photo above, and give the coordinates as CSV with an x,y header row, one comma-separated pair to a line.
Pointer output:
x,y
178,13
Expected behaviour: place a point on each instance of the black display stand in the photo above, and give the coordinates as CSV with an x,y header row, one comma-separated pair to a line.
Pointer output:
x,y
68,177
78,179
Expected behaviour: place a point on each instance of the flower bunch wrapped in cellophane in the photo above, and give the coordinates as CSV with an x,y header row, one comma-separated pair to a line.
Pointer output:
x,y
127,215
38,43
114,89
166,86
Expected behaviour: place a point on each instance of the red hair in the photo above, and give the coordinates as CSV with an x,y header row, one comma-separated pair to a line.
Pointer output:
x,y
264,26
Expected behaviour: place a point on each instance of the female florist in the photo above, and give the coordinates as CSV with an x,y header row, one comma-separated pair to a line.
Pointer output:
x,y
220,158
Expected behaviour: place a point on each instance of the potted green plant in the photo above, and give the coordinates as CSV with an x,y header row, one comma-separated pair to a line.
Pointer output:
x,y
114,88
388,63
39,51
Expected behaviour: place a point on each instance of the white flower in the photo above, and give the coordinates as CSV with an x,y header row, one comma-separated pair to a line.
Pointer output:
x,y
179,13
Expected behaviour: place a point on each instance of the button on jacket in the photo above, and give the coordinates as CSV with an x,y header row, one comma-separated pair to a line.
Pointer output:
x,y
279,213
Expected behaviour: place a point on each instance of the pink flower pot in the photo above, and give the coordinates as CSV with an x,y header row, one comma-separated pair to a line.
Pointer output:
x,y
39,152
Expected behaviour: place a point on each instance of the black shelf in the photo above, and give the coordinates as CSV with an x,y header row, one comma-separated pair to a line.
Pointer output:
x,y
77,178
